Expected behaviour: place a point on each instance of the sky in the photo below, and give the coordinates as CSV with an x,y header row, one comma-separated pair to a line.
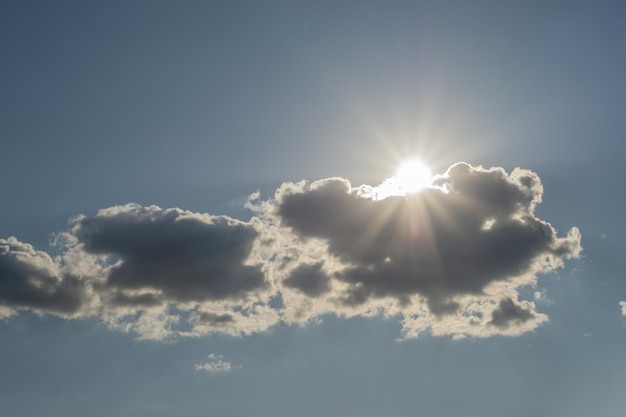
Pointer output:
x,y
202,212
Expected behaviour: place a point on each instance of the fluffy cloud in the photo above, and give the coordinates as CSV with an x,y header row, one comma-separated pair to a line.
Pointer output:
x,y
30,279
159,272
472,234
508,313
449,259
475,229
623,305
172,255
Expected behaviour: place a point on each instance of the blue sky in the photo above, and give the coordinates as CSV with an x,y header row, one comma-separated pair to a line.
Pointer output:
x,y
160,254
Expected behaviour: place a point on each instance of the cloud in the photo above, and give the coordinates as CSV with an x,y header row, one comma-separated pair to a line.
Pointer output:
x,y
509,313
172,254
473,233
159,272
623,305
30,279
449,259
437,243
215,365
309,279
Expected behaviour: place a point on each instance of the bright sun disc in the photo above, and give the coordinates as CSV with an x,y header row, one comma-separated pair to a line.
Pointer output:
x,y
412,176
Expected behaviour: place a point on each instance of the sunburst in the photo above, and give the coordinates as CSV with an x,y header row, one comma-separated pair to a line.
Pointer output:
x,y
412,176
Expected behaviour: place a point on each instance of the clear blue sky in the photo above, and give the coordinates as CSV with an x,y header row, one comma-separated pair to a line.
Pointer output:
x,y
318,301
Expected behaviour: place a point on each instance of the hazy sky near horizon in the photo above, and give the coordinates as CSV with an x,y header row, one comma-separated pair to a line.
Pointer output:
x,y
191,220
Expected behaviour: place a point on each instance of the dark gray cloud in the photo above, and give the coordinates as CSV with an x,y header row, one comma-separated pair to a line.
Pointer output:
x,y
29,279
476,227
120,299
509,313
309,279
215,319
172,254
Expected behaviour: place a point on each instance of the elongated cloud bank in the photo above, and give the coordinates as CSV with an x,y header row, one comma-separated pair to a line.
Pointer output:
x,y
449,259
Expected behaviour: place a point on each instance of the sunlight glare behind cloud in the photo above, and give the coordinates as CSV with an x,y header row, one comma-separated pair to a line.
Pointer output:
x,y
411,177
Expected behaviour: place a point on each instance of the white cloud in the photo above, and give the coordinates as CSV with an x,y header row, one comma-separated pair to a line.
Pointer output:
x,y
623,305
214,365
541,296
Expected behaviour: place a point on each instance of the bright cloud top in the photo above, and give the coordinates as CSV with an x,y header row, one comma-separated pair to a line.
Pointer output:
x,y
449,259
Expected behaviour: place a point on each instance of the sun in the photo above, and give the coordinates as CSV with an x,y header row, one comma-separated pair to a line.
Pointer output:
x,y
412,176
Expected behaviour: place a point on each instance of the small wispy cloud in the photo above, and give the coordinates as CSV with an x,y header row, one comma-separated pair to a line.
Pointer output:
x,y
623,305
214,365
541,296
